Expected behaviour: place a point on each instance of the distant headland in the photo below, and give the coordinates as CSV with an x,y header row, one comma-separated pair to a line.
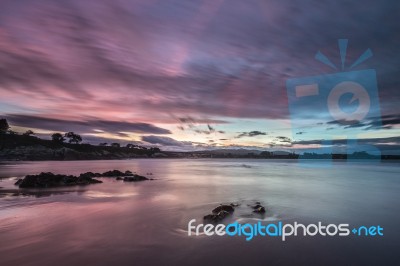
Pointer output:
x,y
68,146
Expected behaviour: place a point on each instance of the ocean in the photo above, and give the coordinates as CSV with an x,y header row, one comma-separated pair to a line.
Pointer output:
x,y
146,223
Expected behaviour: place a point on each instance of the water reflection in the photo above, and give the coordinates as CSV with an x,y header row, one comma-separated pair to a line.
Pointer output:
x,y
142,223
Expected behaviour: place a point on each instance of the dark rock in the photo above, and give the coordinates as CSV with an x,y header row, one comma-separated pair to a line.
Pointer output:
x,y
227,208
116,173
89,175
210,217
95,181
223,214
128,176
219,213
259,209
44,180
49,179
135,178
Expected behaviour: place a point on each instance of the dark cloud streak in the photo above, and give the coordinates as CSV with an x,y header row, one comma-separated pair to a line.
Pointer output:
x,y
83,126
251,134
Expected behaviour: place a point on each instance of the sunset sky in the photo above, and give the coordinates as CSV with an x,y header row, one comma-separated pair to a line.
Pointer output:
x,y
189,75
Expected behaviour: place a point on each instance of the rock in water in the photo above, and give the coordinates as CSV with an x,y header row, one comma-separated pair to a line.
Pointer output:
x,y
135,178
227,208
49,179
219,213
116,173
258,209
44,180
89,174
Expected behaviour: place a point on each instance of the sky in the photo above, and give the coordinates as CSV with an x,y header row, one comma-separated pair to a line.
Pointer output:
x,y
192,75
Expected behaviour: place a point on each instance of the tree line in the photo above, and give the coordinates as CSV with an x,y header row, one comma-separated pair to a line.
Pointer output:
x,y
69,137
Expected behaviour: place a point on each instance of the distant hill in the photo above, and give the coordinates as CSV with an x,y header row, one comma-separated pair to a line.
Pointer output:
x,y
232,151
245,152
31,148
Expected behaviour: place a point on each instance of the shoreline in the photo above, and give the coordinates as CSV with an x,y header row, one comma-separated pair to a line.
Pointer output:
x,y
391,158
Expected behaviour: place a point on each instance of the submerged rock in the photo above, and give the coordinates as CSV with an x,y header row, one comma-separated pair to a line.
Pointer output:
x,y
89,175
224,210
134,178
116,173
219,213
258,208
227,208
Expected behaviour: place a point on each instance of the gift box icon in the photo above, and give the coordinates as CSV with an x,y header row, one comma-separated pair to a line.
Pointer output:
x,y
334,106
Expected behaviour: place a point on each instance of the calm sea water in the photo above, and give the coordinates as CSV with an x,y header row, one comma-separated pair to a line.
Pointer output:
x,y
145,223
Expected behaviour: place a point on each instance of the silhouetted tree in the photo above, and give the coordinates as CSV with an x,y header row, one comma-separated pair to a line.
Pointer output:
x,y
28,133
266,154
73,138
155,149
103,144
4,127
115,145
130,146
57,137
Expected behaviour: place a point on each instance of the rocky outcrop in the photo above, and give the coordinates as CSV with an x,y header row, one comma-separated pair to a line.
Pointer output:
x,y
258,209
45,180
224,210
219,213
135,178
227,208
126,176
116,173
